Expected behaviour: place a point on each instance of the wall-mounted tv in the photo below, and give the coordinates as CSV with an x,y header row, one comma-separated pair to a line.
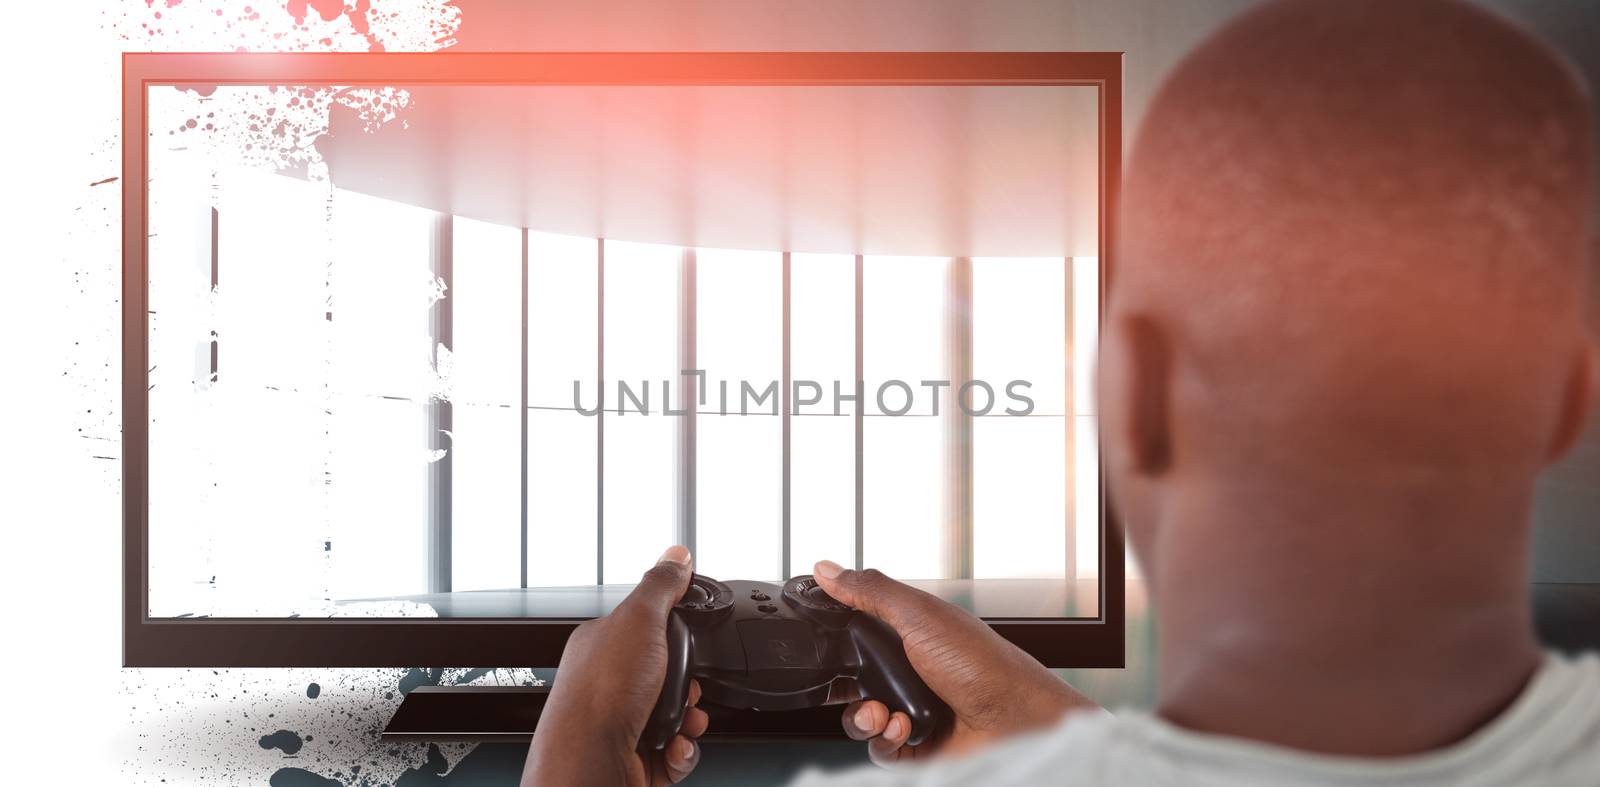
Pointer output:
x,y
427,356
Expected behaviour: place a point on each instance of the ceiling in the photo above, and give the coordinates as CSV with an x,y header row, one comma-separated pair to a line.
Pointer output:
x,y
974,171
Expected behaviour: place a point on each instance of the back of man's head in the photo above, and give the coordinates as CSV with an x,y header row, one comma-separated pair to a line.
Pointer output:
x,y
1346,332
1354,245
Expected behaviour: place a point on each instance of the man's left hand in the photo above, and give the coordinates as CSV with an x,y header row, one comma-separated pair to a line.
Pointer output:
x,y
606,686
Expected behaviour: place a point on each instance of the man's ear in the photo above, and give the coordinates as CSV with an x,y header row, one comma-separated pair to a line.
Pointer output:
x,y
1577,399
1134,385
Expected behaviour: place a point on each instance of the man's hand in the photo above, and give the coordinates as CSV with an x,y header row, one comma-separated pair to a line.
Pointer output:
x,y
993,687
608,682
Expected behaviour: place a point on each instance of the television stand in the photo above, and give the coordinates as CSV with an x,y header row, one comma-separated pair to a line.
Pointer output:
x,y
508,714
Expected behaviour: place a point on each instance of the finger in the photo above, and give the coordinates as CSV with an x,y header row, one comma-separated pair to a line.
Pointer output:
x,y
662,585
695,722
694,693
871,591
888,748
864,720
681,756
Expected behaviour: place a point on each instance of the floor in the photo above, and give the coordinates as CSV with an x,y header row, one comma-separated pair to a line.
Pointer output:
x,y
990,598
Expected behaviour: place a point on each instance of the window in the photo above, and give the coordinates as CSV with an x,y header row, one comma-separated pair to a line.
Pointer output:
x,y
1020,463
905,333
563,444
485,390
739,431
822,431
495,408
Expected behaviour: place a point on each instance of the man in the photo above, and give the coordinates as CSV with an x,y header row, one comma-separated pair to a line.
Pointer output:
x,y
1347,333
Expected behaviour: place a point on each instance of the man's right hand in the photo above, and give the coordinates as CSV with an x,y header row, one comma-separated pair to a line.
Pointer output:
x,y
993,687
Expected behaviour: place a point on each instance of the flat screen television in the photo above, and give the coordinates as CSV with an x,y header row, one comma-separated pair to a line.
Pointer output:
x,y
428,356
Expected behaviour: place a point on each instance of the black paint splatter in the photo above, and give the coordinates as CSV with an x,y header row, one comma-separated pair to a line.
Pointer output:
x,y
428,774
300,777
417,677
313,690
283,740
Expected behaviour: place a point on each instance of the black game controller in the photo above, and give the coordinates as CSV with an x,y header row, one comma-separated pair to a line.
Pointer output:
x,y
756,646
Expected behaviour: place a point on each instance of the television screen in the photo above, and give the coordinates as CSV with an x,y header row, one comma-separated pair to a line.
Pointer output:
x,y
484,351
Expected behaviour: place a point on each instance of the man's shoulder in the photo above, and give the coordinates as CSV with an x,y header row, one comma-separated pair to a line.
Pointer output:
x,y
1550,735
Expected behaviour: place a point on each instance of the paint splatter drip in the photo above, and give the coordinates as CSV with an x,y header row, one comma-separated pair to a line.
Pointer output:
x,y
272,127
284,741
239,726
295,26
261,726
278,126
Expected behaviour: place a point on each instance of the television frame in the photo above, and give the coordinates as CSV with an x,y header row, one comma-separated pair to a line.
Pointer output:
x,y
457,642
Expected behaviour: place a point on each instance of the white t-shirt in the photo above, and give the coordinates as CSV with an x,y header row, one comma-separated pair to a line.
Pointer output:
x,y
1549,737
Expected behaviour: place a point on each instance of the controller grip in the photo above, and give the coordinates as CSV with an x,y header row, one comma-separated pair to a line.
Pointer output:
x,y
667,716
888,677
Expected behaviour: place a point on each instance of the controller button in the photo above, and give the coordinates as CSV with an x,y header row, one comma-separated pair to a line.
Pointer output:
x,y
767,608
759,596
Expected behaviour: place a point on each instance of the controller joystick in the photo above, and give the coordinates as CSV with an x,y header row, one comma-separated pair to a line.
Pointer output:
x,y
805,594
749,651
705,598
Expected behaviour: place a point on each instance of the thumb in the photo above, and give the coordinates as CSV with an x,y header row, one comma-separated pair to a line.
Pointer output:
x,y
663,584
901,606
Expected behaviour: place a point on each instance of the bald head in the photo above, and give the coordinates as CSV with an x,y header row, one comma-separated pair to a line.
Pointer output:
x,y
1357,235
1346,332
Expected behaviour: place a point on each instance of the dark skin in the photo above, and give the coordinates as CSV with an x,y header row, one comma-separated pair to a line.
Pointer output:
x,y
590,728
1337,356
994,689
1348,331
611,675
